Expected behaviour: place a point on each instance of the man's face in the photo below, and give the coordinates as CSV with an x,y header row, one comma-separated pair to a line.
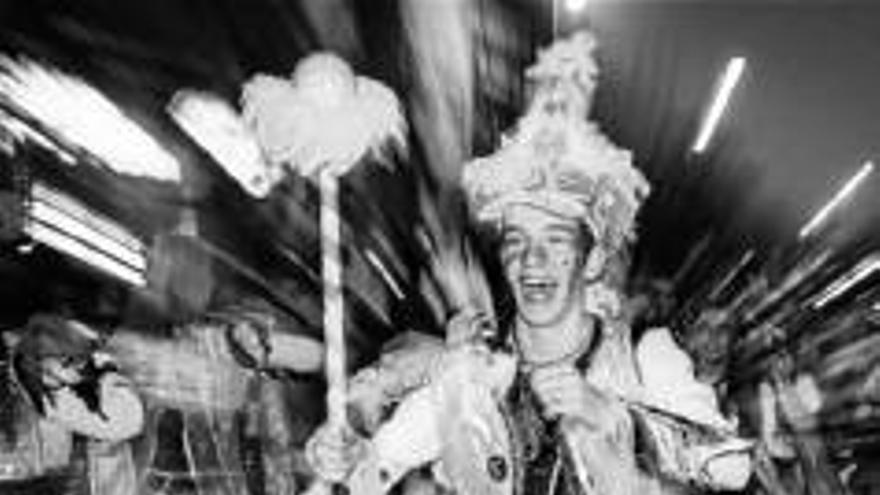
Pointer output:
x,y
543,255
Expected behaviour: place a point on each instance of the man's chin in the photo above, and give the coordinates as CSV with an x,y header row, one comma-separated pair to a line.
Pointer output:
x,y
539,317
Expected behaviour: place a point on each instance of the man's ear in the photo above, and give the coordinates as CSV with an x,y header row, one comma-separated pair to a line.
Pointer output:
x,y
595,263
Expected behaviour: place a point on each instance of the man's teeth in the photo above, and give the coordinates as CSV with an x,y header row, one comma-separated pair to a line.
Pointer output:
x,y
538,283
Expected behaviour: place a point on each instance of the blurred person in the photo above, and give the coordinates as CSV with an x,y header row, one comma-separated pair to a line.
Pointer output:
x,y
213,426
795,460
63,397
574,408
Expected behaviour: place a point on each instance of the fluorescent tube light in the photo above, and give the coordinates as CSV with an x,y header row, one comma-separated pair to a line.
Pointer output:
x,y
82,115
81,251
217,127
729,80
842,194
73,208
840,286
83,233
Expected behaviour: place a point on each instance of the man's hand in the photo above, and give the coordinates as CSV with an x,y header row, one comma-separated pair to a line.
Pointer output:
x,y
334,451
564,394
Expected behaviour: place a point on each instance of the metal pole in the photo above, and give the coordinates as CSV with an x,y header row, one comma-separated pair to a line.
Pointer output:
x,y
554,15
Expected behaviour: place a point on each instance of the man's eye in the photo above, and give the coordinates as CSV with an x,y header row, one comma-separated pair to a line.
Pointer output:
x,y
512,242
560,240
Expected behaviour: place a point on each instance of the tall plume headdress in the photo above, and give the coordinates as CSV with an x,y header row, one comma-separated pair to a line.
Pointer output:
x,y
557,159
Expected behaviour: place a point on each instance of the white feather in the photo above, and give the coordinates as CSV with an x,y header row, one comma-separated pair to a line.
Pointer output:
x,y
323,116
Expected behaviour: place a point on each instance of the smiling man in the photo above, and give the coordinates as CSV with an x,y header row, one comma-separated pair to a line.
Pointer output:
x,y
582,411
543,254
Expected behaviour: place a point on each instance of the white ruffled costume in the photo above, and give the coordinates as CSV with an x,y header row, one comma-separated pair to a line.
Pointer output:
x,y
449,417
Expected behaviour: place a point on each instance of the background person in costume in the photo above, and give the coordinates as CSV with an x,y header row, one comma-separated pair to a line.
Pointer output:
x,y
204,391
59,385
575,409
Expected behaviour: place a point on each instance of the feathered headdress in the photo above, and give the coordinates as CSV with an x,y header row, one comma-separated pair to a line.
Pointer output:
x,y
557,159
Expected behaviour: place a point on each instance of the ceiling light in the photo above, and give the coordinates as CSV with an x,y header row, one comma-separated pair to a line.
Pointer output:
x,y
80,213
842,194
863,270
69,226
82,115
217,127
74,247
65,224
732,73
575,5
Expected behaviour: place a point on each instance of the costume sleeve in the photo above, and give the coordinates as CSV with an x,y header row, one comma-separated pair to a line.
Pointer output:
x,y
451,423
409,439
401,440
701,448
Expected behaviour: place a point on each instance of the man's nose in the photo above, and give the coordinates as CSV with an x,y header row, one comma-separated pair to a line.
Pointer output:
x,y
535,254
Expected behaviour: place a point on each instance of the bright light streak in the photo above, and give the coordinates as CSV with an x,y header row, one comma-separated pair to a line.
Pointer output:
x,y
23,132
842,194
82,115
101,225
575,6
62,222
732,73
386,275
84,253
217,127
840,286
69,226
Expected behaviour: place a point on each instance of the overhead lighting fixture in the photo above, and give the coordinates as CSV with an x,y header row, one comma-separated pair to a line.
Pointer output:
x,y
732,74
84,252
862,271
45,198
575,6
842,194
70,226
67,225
82,115
218,128
21,132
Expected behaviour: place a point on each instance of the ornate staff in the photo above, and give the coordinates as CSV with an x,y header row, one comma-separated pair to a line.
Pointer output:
x,y
320,123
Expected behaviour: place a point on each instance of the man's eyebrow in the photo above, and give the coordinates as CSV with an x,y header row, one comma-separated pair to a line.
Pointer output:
x,y
511,229
569,229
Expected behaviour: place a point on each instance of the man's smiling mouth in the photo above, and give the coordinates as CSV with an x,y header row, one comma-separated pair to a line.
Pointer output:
x,y
537,289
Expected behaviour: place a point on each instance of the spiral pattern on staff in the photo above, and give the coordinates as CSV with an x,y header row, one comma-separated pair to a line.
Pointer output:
x,y
331,272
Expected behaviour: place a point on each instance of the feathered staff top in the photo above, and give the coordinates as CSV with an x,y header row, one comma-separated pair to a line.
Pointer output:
x,y
323,115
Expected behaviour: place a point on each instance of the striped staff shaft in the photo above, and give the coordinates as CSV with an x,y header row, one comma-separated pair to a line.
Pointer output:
x,y
331,271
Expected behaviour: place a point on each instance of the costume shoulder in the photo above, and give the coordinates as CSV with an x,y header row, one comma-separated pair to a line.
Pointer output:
x,y
668,381
718,462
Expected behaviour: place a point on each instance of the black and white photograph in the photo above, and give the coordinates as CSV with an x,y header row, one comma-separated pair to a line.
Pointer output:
x,y
439,247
